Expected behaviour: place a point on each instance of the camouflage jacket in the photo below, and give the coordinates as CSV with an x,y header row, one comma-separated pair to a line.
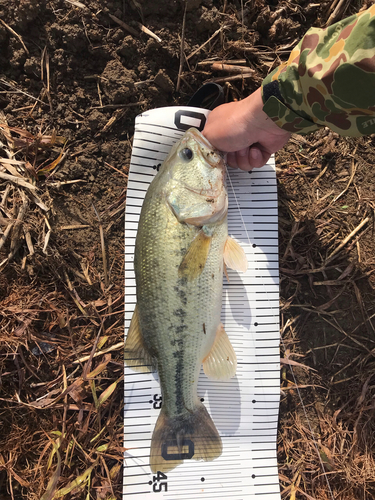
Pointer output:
x,y
329,80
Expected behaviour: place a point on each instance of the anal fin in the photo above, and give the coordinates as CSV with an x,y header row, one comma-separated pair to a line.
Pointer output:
x,y
137,356
221,362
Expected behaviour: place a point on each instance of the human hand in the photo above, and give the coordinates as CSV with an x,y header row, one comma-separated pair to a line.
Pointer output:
x,y
244,131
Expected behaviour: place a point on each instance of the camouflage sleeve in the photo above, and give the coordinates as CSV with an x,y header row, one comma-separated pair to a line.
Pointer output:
x,y
329,80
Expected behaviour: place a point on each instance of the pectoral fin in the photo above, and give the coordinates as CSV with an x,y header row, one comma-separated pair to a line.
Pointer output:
x,y
234,255
194,261
221,363
136,355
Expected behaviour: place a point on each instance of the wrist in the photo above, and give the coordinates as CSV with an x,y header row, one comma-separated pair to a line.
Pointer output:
x,y
255,114
284,117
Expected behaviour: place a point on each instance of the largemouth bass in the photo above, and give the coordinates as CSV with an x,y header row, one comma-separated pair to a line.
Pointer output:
x,y
181,249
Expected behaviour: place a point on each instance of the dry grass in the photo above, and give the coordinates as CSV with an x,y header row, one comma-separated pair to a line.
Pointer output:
x,y
61,339
326,440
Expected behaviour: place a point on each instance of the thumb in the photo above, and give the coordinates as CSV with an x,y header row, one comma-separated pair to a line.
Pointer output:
x,y
248,158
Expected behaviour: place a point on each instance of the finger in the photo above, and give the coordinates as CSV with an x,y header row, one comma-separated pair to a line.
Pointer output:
x,y
242,159
231,160
258,157
249,158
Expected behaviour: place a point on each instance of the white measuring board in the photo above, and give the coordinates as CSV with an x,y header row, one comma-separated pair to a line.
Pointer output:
x,y
244,409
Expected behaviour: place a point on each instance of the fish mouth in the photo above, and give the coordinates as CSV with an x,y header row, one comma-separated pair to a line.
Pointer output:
x,y
199,137
213,156
209,193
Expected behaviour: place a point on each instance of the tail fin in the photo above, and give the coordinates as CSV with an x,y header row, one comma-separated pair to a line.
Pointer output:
x,y
191,435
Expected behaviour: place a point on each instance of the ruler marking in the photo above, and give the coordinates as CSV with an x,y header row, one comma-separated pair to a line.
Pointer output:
x,y
143,173
134,475
136,492
220,490
182,495
148,158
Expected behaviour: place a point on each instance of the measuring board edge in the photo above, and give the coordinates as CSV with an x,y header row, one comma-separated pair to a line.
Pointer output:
x,y
245,409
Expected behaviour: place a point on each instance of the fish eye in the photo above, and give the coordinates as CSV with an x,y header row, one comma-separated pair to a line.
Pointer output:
x,y
186,154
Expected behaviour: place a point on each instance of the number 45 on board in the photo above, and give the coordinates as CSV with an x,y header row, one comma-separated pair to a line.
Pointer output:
x,y
159,482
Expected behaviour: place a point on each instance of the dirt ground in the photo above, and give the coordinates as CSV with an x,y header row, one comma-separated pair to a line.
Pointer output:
x,y
72,80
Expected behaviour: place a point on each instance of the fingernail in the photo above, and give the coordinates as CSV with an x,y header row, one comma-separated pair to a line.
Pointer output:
x,y
255,154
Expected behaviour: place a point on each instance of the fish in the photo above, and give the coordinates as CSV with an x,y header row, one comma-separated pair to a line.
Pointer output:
x,y
182,247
